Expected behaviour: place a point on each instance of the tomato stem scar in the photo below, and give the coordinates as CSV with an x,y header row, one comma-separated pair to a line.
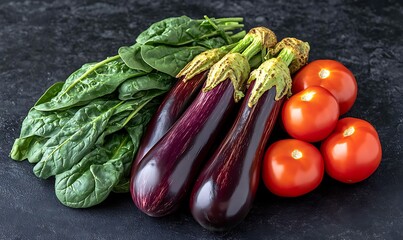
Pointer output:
x,y
349,131
296,154
324,73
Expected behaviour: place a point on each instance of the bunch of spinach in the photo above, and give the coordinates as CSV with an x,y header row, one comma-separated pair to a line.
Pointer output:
x,y
86,130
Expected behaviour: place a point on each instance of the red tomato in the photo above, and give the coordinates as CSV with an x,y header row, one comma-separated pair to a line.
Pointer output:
x,y
310,115
353,151
292,168
331,75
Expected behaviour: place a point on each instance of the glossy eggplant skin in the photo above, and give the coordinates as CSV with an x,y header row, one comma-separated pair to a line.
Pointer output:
x,y
225,189
166,173
172,107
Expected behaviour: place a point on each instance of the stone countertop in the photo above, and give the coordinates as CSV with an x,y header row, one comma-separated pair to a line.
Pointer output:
x,y
42,42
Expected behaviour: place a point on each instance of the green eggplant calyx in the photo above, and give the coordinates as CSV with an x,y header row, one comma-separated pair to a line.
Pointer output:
x,y
201,62
255,40
299,49
272,72
233,66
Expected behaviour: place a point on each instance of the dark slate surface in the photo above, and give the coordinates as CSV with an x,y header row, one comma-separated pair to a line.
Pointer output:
x,y
42,42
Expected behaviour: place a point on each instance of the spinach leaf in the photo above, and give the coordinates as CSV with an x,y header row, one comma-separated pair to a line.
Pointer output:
x,y
75,139
107,167
152,84
123,186
178,31
26,148
35,150
91,81
45,124
169,60
37,126
211,43
132,58
172,29
91,180
124,113
50,93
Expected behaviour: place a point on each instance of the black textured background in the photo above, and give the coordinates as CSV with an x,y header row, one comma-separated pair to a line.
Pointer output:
x,y
42,42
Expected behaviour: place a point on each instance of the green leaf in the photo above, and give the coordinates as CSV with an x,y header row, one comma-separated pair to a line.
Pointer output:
x,y
50,93
91,81
132,58
75,139
45,124
25,148
123,186
123,114
152,84
91,180
168,31
35,150
179,31
38,126
211,43
169,60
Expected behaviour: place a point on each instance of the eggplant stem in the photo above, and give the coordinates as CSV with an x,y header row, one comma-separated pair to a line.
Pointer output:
x,y
286,55
252,49
243,44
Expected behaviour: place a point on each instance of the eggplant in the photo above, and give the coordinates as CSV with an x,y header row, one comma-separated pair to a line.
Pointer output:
x,y
226,187
162,177
172,107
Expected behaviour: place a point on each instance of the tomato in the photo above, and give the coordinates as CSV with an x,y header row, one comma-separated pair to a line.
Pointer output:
x,y
292,168
310,115
331,75
353,151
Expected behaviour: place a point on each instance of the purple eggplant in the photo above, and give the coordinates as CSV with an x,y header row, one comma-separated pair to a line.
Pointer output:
x,y
225,189
162,177
174,104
